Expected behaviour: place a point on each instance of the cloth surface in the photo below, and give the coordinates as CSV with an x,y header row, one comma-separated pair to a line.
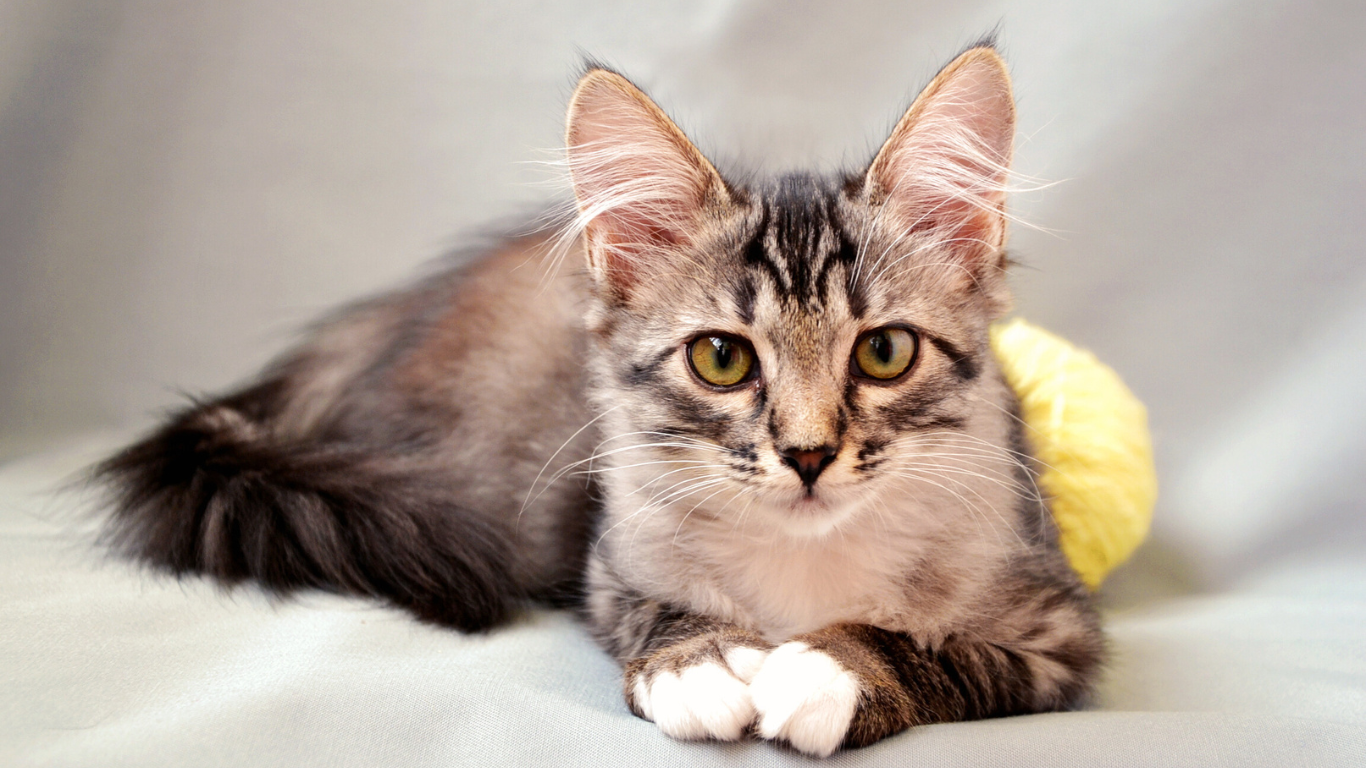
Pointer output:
x,y
182,185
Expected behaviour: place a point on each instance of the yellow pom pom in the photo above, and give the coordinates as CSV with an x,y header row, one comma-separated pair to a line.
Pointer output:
x,y
1091,434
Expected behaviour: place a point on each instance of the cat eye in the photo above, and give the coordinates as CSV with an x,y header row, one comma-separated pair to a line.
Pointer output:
x,y
885,353
722,361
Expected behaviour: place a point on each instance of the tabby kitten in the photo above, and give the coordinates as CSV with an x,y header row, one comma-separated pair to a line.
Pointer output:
x,y
761,441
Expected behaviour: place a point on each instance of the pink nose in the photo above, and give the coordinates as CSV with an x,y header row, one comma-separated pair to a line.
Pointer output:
x,y
808,463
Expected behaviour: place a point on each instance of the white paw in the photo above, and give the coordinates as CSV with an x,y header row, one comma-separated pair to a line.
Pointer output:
x,y
804,697
706,701
744,662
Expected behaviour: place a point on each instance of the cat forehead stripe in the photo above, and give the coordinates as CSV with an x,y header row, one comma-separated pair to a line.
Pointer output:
x,y
800,240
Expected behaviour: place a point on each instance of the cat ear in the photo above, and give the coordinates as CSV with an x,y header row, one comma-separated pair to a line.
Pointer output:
x,y
944,169
641,186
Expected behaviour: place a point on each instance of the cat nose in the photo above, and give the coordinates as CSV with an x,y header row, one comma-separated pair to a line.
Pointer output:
x,y
809,462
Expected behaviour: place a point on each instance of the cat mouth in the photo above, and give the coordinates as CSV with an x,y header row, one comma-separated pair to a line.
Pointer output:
x,y
811,501
811,514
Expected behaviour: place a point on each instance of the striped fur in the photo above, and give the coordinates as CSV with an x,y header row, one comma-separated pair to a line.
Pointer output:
x,y
497,434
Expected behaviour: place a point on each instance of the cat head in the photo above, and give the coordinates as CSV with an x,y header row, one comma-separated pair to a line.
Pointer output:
x,y
792,346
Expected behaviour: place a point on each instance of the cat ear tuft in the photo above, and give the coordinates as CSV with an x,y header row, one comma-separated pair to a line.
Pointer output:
x,y
945,168
641,186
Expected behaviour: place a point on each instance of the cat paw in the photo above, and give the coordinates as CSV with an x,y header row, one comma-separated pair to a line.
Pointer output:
x,y
804,697
702,701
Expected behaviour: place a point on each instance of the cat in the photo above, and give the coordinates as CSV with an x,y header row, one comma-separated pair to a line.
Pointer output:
x,y
760,442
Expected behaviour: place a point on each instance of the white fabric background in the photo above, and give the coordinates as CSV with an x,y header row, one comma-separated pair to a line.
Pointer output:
x,y
183,184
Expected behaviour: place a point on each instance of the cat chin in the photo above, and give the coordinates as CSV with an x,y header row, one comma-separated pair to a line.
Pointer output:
x,y
803,516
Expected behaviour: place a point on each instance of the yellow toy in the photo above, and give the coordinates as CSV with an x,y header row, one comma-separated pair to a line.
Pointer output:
x,y
1091,435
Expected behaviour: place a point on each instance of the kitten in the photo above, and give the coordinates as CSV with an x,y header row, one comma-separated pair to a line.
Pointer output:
x,y
761,442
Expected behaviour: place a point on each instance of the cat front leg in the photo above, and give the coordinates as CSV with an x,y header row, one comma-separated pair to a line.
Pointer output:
x,y
854,684
687,673
693,681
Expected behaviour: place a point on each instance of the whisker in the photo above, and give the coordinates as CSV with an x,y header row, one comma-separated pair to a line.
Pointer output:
x,y
916,477
599,455
651,505
694,509
563,445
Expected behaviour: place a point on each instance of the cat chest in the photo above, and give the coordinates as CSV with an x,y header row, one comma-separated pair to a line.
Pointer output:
x,y
783,590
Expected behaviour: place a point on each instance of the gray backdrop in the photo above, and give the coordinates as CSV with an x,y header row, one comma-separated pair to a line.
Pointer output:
x,y
182,185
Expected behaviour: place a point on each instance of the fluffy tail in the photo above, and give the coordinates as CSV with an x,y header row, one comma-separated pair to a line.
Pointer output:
x,y
214,492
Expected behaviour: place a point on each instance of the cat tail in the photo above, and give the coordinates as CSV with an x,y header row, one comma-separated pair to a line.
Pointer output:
x,y
215,492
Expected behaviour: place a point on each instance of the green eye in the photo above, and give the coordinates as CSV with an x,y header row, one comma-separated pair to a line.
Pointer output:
x,y
885,353
721,360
